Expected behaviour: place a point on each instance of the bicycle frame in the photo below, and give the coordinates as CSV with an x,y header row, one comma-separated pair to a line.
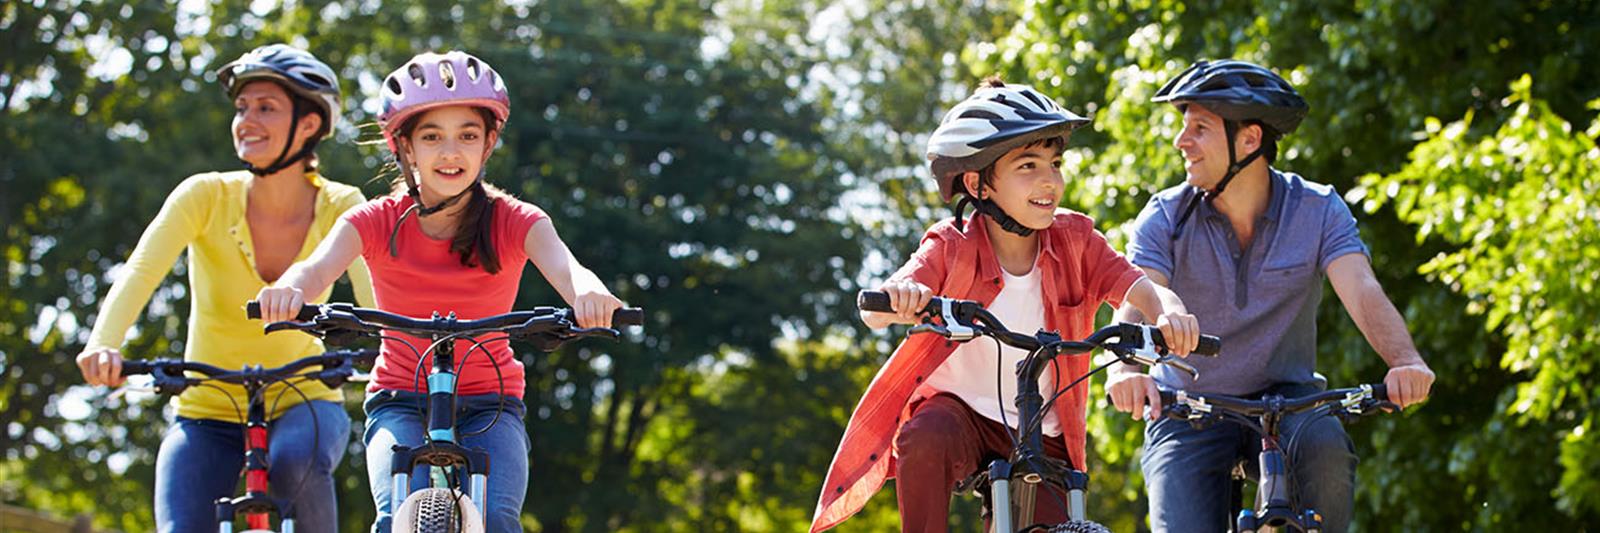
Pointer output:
x,y
1022,467
441,450
256,504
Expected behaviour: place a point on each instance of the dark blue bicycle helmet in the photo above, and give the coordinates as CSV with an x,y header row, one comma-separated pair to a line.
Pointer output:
x,y
297,71
1241,93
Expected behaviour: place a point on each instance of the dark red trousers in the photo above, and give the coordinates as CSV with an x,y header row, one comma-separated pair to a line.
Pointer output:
x,y
942,443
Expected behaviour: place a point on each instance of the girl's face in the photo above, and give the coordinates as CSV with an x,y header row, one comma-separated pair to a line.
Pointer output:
x,y
1027,184
261,115
448,149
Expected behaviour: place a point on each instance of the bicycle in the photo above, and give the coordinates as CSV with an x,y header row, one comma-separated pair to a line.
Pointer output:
x,y
1009,485
257,506
443,508
1275,507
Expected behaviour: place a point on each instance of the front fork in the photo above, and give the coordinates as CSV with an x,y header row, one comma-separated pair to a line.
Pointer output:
x,y
1272,498
1026,491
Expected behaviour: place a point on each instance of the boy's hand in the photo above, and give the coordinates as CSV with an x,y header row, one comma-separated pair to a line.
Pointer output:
x,y
594,309
1131,390
907,298
1181,331
101,366
280,303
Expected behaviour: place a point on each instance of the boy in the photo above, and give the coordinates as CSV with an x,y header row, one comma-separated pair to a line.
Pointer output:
x,y
933,412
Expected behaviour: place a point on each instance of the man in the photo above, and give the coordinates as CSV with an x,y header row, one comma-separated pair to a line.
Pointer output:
x,y
1246,247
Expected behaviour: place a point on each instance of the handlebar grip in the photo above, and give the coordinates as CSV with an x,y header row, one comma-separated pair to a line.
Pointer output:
x,y
252,309
878,302
1380,391
875,301
1168,398
1209,344
134,368
627,316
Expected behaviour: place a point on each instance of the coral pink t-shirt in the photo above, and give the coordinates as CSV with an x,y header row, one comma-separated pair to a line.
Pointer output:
x,y
428,277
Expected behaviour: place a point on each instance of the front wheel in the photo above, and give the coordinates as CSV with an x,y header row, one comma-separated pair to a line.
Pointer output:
x,y
1079,526
437,510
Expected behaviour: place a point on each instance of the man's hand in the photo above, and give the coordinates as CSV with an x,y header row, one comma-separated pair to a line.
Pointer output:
x,y
1131,390
1408,384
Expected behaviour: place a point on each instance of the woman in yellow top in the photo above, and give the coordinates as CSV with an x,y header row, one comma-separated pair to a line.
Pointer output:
x,y
242,230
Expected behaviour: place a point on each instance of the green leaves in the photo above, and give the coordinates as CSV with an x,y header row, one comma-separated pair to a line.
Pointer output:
x,y
1519,202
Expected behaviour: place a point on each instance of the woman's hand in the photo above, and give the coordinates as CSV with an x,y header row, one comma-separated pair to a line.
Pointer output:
x,y
101,366
280,303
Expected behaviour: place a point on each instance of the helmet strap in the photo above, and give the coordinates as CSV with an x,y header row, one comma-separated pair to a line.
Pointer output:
x,y
284,159
990,209
1234,167
415,192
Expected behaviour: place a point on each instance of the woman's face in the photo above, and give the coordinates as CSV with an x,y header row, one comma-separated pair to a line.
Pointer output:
x,y
448,149
261,117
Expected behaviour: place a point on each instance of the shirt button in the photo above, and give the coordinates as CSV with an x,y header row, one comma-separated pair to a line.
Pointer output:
x,y
873,457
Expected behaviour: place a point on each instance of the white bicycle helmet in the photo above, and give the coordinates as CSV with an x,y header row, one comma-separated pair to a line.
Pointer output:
x,y
997,118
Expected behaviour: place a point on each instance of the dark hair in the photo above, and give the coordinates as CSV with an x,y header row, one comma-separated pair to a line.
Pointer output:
x,y
474,238
1269,139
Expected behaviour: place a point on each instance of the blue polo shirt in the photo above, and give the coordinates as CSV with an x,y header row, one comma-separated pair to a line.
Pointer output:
x,y
1260,299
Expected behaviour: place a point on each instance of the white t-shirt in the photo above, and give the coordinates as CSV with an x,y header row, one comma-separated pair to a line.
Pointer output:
x,y
970,372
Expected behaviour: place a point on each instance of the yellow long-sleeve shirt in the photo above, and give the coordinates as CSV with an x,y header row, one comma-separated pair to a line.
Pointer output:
x,y
206,214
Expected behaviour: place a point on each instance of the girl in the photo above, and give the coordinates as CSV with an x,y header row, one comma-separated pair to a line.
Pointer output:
x,y
446,242
242,230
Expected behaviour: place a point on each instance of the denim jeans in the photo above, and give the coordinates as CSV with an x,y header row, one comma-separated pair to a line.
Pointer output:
x,y
201,460
396,417
1188,471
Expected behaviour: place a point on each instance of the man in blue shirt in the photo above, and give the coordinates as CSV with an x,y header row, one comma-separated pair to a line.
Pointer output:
x,y
1247,246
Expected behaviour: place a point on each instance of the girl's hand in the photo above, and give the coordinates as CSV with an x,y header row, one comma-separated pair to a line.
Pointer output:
x,y
101,366
279,303
594,309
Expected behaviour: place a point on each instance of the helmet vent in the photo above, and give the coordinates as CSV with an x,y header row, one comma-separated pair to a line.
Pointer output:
x,y
393,84
474,69
415,71
447,74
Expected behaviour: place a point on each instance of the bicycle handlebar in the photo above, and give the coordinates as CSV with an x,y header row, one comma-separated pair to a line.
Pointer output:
x,y
970,318
552,325
1354,400
170,378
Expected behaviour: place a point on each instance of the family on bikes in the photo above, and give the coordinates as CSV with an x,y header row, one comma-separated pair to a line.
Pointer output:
x,y
1238,253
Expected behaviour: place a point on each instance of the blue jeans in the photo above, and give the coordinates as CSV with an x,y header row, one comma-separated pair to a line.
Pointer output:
x,y
396,417
201,460
1188,471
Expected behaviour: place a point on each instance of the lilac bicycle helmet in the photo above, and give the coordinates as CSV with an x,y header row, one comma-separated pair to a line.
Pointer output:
x,y
431,80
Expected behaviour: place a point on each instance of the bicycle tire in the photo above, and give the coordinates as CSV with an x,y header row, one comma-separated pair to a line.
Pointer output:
x,y
432,510
1079,526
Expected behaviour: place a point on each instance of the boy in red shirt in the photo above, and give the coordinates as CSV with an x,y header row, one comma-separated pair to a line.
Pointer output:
x,y
933,411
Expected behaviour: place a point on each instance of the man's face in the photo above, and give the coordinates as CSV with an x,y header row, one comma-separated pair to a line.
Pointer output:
x,y
1204,143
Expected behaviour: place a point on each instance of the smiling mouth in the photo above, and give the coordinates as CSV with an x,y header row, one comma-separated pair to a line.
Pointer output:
x,y
451,172
1042,203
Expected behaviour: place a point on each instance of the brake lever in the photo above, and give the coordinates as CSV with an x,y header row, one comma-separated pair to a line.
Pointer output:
x,y
1178,363
930,328
290,325
594,332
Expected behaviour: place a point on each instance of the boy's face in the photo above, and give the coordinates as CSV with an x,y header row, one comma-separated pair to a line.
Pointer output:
x,y
1204,143
1027,184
